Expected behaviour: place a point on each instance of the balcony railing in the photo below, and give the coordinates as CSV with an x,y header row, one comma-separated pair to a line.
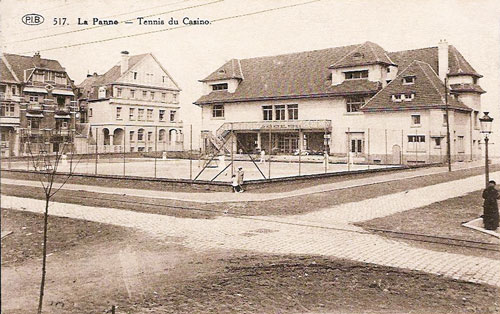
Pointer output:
x,y
4,96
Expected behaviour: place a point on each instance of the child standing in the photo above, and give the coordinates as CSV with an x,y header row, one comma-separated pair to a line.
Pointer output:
x,y
234,183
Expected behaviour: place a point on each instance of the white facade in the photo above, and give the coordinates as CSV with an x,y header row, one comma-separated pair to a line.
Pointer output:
x,y
138,112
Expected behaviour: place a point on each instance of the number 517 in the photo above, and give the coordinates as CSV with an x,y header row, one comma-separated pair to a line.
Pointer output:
x,y
59,21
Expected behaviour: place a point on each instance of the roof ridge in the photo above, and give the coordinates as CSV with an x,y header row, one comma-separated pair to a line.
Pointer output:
x,y
9,67
241,69
370,44
433,85
30,57
399,51
348,54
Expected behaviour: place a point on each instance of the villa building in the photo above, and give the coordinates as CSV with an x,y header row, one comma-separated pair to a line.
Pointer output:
x,y
358,100
38,107
133,107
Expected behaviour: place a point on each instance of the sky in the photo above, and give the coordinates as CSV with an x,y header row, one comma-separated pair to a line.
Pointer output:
x,y
190,53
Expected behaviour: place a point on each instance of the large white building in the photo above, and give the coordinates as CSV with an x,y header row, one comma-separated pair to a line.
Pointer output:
x,y
133,107
386,107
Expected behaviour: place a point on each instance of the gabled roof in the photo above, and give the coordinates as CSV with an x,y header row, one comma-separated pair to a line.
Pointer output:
x,y
230,70
428,90
364,54
20,63
114,73
301,74
456,62
6,74
306,74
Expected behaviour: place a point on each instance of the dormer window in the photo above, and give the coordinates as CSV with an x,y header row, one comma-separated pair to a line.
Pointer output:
x,y
357,55
222,86
397,98
355,75
407,80
409,96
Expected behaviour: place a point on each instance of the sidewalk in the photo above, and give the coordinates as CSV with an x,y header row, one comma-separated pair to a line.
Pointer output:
x,y
222,197
327,232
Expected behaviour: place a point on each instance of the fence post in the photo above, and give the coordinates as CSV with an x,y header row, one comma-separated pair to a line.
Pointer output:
x,y
416,146
270,152
10,149
232,151
156,145
124,139
386,149
402,145
348,151
96,148
368,146
191,152
301,142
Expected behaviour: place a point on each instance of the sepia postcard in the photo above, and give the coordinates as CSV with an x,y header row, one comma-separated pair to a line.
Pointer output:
x,y
232,156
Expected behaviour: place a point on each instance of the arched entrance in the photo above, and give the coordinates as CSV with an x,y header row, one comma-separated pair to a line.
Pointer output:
x,y
172,136
118,137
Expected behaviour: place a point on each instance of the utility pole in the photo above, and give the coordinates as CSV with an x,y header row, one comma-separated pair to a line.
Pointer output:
x,y
448,141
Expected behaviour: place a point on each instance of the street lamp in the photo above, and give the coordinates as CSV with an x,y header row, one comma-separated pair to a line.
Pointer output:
x,y
486,122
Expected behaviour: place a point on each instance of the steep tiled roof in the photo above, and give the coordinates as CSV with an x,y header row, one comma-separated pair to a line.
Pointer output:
x,y
456,62
6,74
458,65
467,87
110,76
20,63
306,74
229,70
290,75
363,54
428,90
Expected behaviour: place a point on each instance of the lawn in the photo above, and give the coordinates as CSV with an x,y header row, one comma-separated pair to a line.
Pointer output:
x,y
442,219
94,266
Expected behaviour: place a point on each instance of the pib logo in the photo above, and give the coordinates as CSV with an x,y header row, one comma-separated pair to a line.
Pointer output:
x,y
33,19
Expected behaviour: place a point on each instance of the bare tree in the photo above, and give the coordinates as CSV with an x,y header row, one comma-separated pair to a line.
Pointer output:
x,y
46,165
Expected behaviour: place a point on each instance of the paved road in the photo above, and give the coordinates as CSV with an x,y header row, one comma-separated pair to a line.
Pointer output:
x,y
326,232
221,197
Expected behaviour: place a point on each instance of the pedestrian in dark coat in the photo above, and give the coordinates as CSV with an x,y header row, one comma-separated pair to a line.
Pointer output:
x,y
490,215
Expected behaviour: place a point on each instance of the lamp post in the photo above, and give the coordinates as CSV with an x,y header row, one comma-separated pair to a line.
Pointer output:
x,y
486,122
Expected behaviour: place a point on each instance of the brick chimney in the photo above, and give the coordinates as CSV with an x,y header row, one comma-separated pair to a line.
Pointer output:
x,y
443,59
37,60
124,62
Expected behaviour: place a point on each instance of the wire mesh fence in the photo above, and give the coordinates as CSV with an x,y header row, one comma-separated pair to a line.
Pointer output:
x,y
262,155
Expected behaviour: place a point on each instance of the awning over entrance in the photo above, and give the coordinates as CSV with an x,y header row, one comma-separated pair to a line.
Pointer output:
x,y
62,92
34,115
62,116
266,126
32,89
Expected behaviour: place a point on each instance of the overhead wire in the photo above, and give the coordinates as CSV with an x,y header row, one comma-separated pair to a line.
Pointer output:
x,y
177,27
99,26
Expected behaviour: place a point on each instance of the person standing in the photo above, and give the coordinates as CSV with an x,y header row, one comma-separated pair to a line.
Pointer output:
x,y
490,214
234,183
262,156
240,176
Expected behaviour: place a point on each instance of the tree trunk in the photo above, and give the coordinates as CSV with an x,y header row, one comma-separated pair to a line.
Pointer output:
x,y
44,252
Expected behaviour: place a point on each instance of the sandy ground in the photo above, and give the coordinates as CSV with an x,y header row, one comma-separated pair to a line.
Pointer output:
x,y
107,266
180,168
